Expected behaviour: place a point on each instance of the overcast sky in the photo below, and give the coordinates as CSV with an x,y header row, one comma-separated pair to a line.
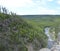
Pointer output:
x,y
32,7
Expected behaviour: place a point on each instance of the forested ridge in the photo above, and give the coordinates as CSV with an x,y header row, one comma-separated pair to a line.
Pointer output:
x,y
17,34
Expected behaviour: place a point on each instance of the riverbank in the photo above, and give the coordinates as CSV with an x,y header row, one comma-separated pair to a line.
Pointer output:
x,y
55,47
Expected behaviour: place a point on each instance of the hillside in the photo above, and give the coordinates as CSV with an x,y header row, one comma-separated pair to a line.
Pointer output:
x,y
42,21
16,34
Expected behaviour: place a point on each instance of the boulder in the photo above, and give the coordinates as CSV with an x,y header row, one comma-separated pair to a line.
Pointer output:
x,y
44,49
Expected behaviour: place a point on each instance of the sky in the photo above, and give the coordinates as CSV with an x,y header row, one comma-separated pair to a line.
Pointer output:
x,y
32,7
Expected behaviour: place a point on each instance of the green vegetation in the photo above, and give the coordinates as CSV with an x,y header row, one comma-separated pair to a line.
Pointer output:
x,y
19,34
42,21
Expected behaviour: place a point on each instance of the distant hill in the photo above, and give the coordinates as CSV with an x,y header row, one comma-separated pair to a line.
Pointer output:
x,y
39,16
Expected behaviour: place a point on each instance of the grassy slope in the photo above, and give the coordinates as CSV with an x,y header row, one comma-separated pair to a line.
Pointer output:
x,y
15,32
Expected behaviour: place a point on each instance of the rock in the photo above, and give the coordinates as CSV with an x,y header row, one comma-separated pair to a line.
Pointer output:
x,y
55,48
44,49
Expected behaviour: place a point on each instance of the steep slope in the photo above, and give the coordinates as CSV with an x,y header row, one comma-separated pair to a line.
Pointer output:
x,y
17,34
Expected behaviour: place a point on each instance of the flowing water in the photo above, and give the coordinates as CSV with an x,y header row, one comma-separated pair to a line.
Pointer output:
x,y
52,44
50,40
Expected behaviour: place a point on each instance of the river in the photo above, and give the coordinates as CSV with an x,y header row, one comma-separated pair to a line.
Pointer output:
x,y
50,40
52,45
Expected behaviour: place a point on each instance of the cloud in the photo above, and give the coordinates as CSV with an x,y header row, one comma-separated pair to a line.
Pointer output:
x,y
50,0
15,3
39,10
43,10
48,12
58,2
31,6
58,8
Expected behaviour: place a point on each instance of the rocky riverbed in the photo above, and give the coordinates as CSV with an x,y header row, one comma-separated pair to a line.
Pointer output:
x,y
52,45
55,47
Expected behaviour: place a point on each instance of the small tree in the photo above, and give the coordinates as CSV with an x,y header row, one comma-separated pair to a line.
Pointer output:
x,y
0,9
4,10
